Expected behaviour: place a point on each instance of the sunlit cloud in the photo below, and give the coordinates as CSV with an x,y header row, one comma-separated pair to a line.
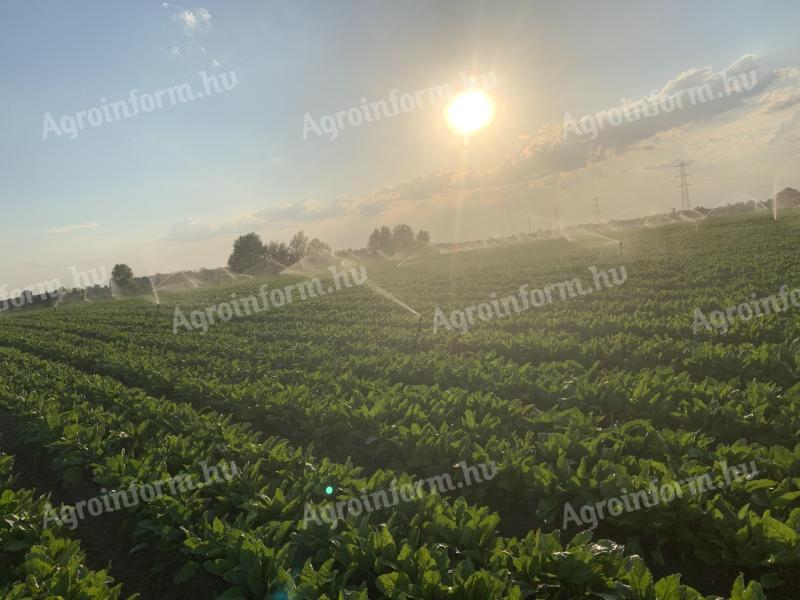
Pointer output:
x,y
548,151
781,99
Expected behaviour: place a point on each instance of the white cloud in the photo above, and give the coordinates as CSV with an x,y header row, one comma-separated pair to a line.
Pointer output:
x,y
193,19
70,228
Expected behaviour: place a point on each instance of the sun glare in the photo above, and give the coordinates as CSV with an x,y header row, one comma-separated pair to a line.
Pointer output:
x,y
470,111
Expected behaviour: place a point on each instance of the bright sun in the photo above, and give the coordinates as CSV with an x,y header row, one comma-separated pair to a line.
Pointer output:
x,y
470,111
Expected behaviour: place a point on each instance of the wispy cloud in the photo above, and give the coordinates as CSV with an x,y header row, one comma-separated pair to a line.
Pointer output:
x,y
193,19
193,229
71,228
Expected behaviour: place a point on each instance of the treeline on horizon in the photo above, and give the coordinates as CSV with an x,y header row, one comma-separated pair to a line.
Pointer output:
x,y
250,253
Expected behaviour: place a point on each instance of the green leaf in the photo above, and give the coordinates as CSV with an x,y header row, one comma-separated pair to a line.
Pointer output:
x,y
752,592
218,567
187,571
393,585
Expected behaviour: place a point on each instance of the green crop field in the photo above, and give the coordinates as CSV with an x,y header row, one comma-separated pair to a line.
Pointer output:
x,y
600,445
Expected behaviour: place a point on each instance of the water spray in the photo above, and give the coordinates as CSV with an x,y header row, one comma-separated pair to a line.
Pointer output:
x,y
775,200
594,234
158,300
165,280
389,296
284,267
378,289
690,220
155,291
418,250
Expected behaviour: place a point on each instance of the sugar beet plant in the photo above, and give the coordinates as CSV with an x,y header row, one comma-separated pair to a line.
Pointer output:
x,y
41,563
575,402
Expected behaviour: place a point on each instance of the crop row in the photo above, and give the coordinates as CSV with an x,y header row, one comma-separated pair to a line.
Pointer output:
x,y
248,531
424,430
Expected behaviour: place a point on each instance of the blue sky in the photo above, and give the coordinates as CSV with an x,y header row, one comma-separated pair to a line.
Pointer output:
x,y
171,189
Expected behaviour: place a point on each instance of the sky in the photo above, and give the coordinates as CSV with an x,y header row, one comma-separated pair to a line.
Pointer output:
x,y
88,183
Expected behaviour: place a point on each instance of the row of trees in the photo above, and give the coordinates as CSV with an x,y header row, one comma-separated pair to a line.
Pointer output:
x,y
396,239
249,251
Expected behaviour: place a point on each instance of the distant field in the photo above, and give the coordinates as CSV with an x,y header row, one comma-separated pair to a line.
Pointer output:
x,y
578,401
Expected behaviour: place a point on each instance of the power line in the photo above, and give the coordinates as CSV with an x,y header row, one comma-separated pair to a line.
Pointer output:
x,y
684,186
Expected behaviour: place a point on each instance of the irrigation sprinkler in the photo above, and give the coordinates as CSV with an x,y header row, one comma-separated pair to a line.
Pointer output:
x,y
591,234
61,294
379,290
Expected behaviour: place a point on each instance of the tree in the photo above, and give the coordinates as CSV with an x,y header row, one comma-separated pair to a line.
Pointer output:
x,y
788,197
387,243
402,236
381,240
122,275
279,254
374,242
317,247
248,251
298,246
391,241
